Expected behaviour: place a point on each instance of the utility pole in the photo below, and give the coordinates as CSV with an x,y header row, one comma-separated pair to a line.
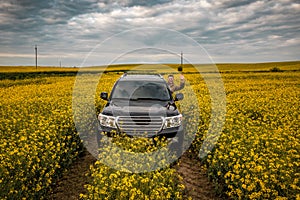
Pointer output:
x,y
35,57
181,59
180,68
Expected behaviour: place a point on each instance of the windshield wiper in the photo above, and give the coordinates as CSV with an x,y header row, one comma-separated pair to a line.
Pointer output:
x,y
148,98
120,98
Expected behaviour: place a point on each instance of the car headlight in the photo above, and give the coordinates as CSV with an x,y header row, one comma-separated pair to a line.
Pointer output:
x,y
174,121
108,121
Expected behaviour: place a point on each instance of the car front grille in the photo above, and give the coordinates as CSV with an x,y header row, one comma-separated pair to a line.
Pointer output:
x,y
140,125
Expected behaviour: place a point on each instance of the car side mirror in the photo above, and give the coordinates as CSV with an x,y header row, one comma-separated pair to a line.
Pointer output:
x,y
104,95
178,97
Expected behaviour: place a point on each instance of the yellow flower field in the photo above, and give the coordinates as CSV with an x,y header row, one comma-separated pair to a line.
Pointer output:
x,y
256,157
257,154
37,135
109,183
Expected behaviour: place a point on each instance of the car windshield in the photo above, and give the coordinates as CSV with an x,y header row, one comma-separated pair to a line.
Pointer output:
x,y
139,90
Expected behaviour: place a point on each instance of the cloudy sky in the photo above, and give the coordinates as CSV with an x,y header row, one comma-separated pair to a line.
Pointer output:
x,y
94,32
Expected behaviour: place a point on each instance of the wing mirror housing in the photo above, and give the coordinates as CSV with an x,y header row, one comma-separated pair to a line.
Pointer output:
x,y
104,96
179,97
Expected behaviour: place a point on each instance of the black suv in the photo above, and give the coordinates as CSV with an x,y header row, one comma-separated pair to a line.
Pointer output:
x,y
141,106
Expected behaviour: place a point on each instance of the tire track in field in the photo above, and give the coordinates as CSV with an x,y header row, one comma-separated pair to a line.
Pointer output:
x,y
72,182
195,179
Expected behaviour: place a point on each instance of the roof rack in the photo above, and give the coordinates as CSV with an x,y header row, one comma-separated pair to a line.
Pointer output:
x,y
153,74
133,73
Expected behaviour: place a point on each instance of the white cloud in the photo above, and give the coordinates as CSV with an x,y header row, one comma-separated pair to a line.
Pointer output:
x,y
292,42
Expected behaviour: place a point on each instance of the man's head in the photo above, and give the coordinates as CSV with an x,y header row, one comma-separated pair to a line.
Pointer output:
x,y
171,78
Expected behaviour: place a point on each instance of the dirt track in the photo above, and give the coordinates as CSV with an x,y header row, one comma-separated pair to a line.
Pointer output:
x,y
195,179
72,182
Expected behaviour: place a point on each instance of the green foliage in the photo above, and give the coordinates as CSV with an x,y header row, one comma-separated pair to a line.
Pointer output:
x,y
275,69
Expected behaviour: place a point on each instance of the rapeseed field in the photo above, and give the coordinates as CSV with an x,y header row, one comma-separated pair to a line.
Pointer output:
x,y
256,156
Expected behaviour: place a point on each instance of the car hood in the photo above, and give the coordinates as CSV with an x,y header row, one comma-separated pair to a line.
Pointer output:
x,y
140,108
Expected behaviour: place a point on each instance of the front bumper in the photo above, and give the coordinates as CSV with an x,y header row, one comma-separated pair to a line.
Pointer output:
x,y
168,133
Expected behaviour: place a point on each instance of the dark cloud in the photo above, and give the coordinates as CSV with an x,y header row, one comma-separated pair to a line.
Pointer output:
x,y
27,14
147,3
235,3
225,27
131,3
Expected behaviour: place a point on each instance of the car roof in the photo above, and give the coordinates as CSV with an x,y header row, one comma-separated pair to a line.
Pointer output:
x,y
142,77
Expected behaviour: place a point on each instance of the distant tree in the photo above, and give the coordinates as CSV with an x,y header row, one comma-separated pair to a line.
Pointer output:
x,y
180,68
275,69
